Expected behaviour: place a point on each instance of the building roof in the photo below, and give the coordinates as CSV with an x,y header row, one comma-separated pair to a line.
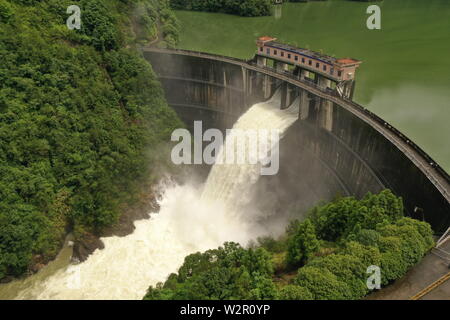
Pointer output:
x,y
347,61
266,38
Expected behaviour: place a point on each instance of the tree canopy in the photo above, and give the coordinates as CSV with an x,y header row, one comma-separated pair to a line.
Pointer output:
x,y
79,115
247,8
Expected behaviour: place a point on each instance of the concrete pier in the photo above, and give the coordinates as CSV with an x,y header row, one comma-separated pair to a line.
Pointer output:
x,y
281,66
304,105
261,61
326,114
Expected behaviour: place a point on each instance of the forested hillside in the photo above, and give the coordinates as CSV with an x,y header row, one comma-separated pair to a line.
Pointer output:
x,y
80,114
326,256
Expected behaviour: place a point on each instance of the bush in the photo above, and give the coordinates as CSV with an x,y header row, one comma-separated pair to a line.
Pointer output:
x,y
348,269
263,289
229,272
98,24
322,284
302,244
413,244
272,245
6,11
423,228
294,292
248,8
367,237
19,228
368,255
345,216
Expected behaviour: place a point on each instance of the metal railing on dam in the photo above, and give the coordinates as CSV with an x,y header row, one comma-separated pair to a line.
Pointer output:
x,y
437,175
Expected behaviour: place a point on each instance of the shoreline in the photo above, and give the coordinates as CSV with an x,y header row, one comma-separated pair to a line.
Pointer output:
x,y
84,246
147,203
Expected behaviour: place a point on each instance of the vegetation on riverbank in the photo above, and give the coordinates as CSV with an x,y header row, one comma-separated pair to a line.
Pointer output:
x,y
325,256
81,113
246,8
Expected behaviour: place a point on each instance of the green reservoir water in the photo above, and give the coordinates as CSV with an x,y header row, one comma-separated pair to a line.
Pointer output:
x,y
405,75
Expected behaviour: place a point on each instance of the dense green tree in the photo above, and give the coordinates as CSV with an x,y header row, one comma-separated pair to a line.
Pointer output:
x,y
294,292
302,244
79,120
348,215
392,262
322,284
263,288
6,11
366,237
368,255
99,24
272,245
229,272
408,237
348,268
248,8
423,228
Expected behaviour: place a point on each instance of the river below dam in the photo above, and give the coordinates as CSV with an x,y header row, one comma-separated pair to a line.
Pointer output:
x,y
128,265
189,220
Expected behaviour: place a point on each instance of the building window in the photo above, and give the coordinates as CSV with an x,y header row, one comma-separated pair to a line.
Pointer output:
x,y
289,55
303,60
339,73
317,65
324,68
310,62
275,52
296,58
332,71
268,51
282,53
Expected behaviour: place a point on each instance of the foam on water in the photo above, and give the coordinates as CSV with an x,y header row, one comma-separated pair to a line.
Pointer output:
x,y
232,183
187,222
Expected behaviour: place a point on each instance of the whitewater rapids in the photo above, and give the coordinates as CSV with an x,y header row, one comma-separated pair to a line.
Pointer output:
x,y
186,223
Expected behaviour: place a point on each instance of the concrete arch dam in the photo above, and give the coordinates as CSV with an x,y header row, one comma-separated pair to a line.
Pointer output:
x,y
336,147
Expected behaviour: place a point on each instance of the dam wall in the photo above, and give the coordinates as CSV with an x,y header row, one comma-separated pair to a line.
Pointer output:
x,y
336,147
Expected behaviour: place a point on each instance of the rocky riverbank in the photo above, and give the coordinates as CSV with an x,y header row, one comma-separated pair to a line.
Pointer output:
x,y
90,242
86,244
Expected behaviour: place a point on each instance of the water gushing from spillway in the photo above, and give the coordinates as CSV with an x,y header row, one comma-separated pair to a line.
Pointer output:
x,y
231,183
188,221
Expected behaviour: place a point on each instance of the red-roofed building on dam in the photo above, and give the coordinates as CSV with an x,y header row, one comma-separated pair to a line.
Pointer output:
x,y
325,69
